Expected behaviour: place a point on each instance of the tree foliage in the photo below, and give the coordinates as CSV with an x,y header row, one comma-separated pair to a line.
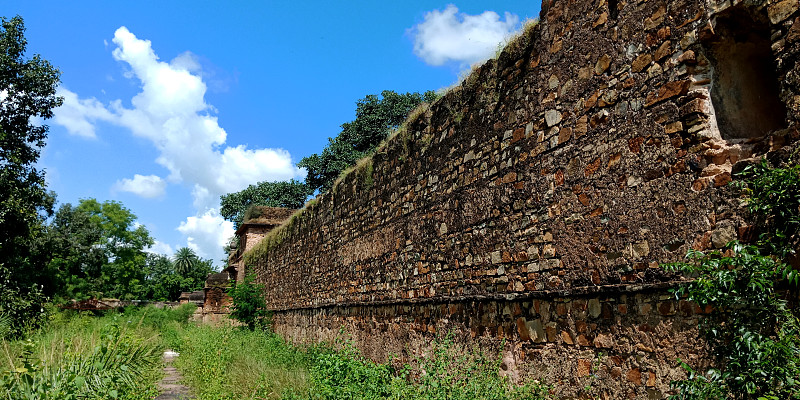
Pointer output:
x,y
291,194
27,95
774,200
95,249
185,260
375,118
71,244
165,281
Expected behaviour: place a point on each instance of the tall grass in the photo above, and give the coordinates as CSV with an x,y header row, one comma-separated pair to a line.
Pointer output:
x,y
446,373
78,356
233,363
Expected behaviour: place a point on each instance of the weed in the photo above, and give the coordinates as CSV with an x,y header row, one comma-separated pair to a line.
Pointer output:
x,y
75,357
233,363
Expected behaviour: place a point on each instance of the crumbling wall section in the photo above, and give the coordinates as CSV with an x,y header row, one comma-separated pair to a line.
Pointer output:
x,y
563,172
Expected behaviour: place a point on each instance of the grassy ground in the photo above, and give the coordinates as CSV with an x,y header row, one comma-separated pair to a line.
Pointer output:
x,y
118,356
235,363
82,356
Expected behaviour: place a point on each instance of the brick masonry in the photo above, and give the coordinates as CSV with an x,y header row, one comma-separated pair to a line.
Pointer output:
x,y
533,204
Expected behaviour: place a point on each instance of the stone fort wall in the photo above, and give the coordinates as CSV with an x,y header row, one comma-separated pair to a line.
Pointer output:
x,y
528,210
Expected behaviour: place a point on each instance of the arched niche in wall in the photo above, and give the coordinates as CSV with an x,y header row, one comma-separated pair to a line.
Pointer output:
x,y
744,84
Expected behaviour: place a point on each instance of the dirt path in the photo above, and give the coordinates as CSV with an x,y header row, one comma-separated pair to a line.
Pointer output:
x,y
170,386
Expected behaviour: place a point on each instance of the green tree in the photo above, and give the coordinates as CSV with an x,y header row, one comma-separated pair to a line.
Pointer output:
x,y
75,259
124,243
291,194
165,283
27,95
185,260
96,249
375,118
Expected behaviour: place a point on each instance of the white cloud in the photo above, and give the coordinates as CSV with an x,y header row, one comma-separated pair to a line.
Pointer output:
x,y
79,115
450,36
150,186
207,233
161,248
171,112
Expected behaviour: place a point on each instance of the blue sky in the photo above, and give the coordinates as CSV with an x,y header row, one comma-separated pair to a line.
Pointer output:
x,y
170,104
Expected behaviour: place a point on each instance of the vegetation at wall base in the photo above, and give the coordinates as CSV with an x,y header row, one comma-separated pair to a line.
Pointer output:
x,y
235,363
447,372
753,332
248,306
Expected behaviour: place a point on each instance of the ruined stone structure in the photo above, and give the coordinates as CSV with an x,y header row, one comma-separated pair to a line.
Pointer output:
x,y
216,302
258,221
534,202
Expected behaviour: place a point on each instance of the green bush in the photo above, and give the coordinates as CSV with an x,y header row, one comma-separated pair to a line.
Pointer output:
x,y
753,332
249,307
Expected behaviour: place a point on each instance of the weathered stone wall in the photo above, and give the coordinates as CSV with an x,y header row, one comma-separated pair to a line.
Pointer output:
x,y
597,145
628,341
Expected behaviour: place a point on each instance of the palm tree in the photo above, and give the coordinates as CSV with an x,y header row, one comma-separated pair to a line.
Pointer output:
x,y
185,260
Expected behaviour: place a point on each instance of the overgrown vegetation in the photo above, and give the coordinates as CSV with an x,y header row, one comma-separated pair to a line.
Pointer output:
x,y
753,332
248,304
233,363
79,356
446,373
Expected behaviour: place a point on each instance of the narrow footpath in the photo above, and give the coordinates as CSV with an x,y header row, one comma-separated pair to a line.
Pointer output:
x,y
170,386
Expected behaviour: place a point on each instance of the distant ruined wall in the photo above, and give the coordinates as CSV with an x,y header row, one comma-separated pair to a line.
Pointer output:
x,y
535,201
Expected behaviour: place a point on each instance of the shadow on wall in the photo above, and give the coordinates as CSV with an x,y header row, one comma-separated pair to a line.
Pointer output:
x,y
744,86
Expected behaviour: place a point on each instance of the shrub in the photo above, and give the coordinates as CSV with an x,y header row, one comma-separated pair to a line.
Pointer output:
x,y
249,307
753,332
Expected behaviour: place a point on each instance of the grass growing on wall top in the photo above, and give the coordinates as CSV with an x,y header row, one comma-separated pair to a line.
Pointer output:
x,y
365,167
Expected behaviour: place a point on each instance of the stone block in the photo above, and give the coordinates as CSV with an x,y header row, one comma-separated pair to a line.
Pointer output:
x,y
780,11
602,65
552,117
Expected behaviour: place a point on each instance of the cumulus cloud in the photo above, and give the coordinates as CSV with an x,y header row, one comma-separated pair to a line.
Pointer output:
x,y
79,115
161,248
452,36
150,186
207,233
171,112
